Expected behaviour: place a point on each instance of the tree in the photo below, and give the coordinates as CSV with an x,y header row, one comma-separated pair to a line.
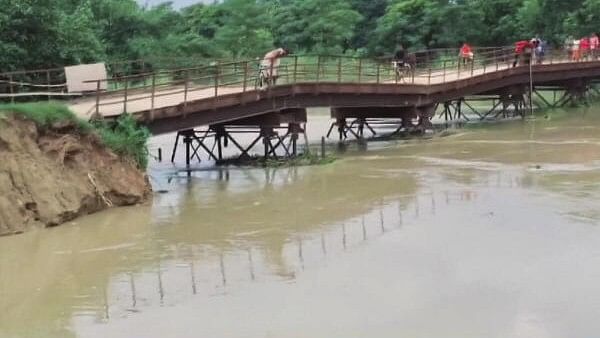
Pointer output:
x,y
78,41
584,20
371,10
320,26
414,23
26,37
51,33
245,29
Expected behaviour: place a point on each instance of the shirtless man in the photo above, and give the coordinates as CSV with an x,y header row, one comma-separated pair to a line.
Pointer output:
x,y
269,66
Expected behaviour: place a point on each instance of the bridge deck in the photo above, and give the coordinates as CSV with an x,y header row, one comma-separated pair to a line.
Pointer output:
x,y
176,95
170,100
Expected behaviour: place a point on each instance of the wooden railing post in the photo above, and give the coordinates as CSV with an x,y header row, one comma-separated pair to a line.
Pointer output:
x,y
185,87
152,97
318,68
295,68
125,96
339,70
429,77
98,99
287,74
48,83
473,66
144,72
378,71
496,58
444,78
12,91
245,85
217,79
359,70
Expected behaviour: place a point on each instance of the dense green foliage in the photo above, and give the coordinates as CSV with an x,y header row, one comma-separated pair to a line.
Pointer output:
x,y
47,33
125,137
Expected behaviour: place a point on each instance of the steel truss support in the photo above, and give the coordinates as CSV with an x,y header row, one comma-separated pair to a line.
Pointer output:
x,y
355,128
453,110
278,142
573,94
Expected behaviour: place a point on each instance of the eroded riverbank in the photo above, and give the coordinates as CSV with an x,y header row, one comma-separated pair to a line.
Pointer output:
x,y
53,174
488,232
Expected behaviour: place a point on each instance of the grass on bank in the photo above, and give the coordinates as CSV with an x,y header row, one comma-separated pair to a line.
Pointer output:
x,y
125,137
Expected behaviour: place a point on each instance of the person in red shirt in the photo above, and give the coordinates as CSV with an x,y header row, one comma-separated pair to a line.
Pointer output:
x,y
585,47
523,51
466,53
594,45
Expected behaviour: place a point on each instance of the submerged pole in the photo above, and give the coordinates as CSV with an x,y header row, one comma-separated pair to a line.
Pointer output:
x,y
531,83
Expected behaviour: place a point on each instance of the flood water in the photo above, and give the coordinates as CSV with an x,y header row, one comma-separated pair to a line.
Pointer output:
x,y
489,232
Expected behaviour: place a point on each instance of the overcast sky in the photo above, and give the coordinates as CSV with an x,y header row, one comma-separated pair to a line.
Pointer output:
x,y
176,3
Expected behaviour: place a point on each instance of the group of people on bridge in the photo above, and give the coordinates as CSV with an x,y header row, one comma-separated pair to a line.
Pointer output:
x,y
526,52
585,48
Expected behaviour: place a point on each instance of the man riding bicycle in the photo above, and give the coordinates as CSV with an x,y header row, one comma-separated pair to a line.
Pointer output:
x,y
269,67
400,64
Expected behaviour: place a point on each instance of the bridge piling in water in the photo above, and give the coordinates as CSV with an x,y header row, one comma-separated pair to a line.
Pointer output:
x,y
278,132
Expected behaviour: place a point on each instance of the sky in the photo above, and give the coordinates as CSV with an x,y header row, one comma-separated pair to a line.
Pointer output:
x,y
176,3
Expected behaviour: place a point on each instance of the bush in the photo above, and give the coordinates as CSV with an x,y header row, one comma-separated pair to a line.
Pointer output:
x,y
125,137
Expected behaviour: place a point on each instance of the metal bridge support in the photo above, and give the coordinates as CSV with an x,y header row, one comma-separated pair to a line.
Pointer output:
x,y
193,143
356,128
424,115
278,131
572,93
380,121
577,94
453,111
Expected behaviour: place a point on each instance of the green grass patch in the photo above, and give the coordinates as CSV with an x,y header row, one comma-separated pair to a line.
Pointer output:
x,y
46,114
124,136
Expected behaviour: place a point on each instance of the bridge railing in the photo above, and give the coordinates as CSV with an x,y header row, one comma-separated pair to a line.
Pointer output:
x,y
50,83
147,89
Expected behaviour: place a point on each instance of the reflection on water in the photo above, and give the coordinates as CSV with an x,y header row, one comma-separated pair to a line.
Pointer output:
x,y
490,232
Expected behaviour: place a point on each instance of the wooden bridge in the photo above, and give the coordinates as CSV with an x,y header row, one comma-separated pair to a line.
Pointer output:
x,y
227,94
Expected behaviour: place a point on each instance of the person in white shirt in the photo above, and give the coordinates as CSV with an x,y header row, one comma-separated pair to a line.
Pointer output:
x,y
269,66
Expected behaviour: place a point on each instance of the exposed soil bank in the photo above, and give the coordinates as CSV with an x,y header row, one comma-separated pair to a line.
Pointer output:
x,y
49,176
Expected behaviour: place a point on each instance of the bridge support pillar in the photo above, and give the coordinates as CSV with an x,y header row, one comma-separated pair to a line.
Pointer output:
x,y
453,111
193,143
279,132
424,116
577,93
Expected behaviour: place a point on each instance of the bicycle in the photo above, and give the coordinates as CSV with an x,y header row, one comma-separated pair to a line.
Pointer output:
x,y
402,69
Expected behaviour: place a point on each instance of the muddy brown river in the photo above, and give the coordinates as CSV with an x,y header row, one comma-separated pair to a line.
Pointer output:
x,y
492,231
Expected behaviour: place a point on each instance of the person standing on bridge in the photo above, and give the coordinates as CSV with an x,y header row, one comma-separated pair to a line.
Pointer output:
x,y
400,55
585,47
269,66
594,45
523,50
466,54
576,51
539,50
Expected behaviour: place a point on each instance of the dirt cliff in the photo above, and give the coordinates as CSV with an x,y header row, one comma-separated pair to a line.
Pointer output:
x,y
54,174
